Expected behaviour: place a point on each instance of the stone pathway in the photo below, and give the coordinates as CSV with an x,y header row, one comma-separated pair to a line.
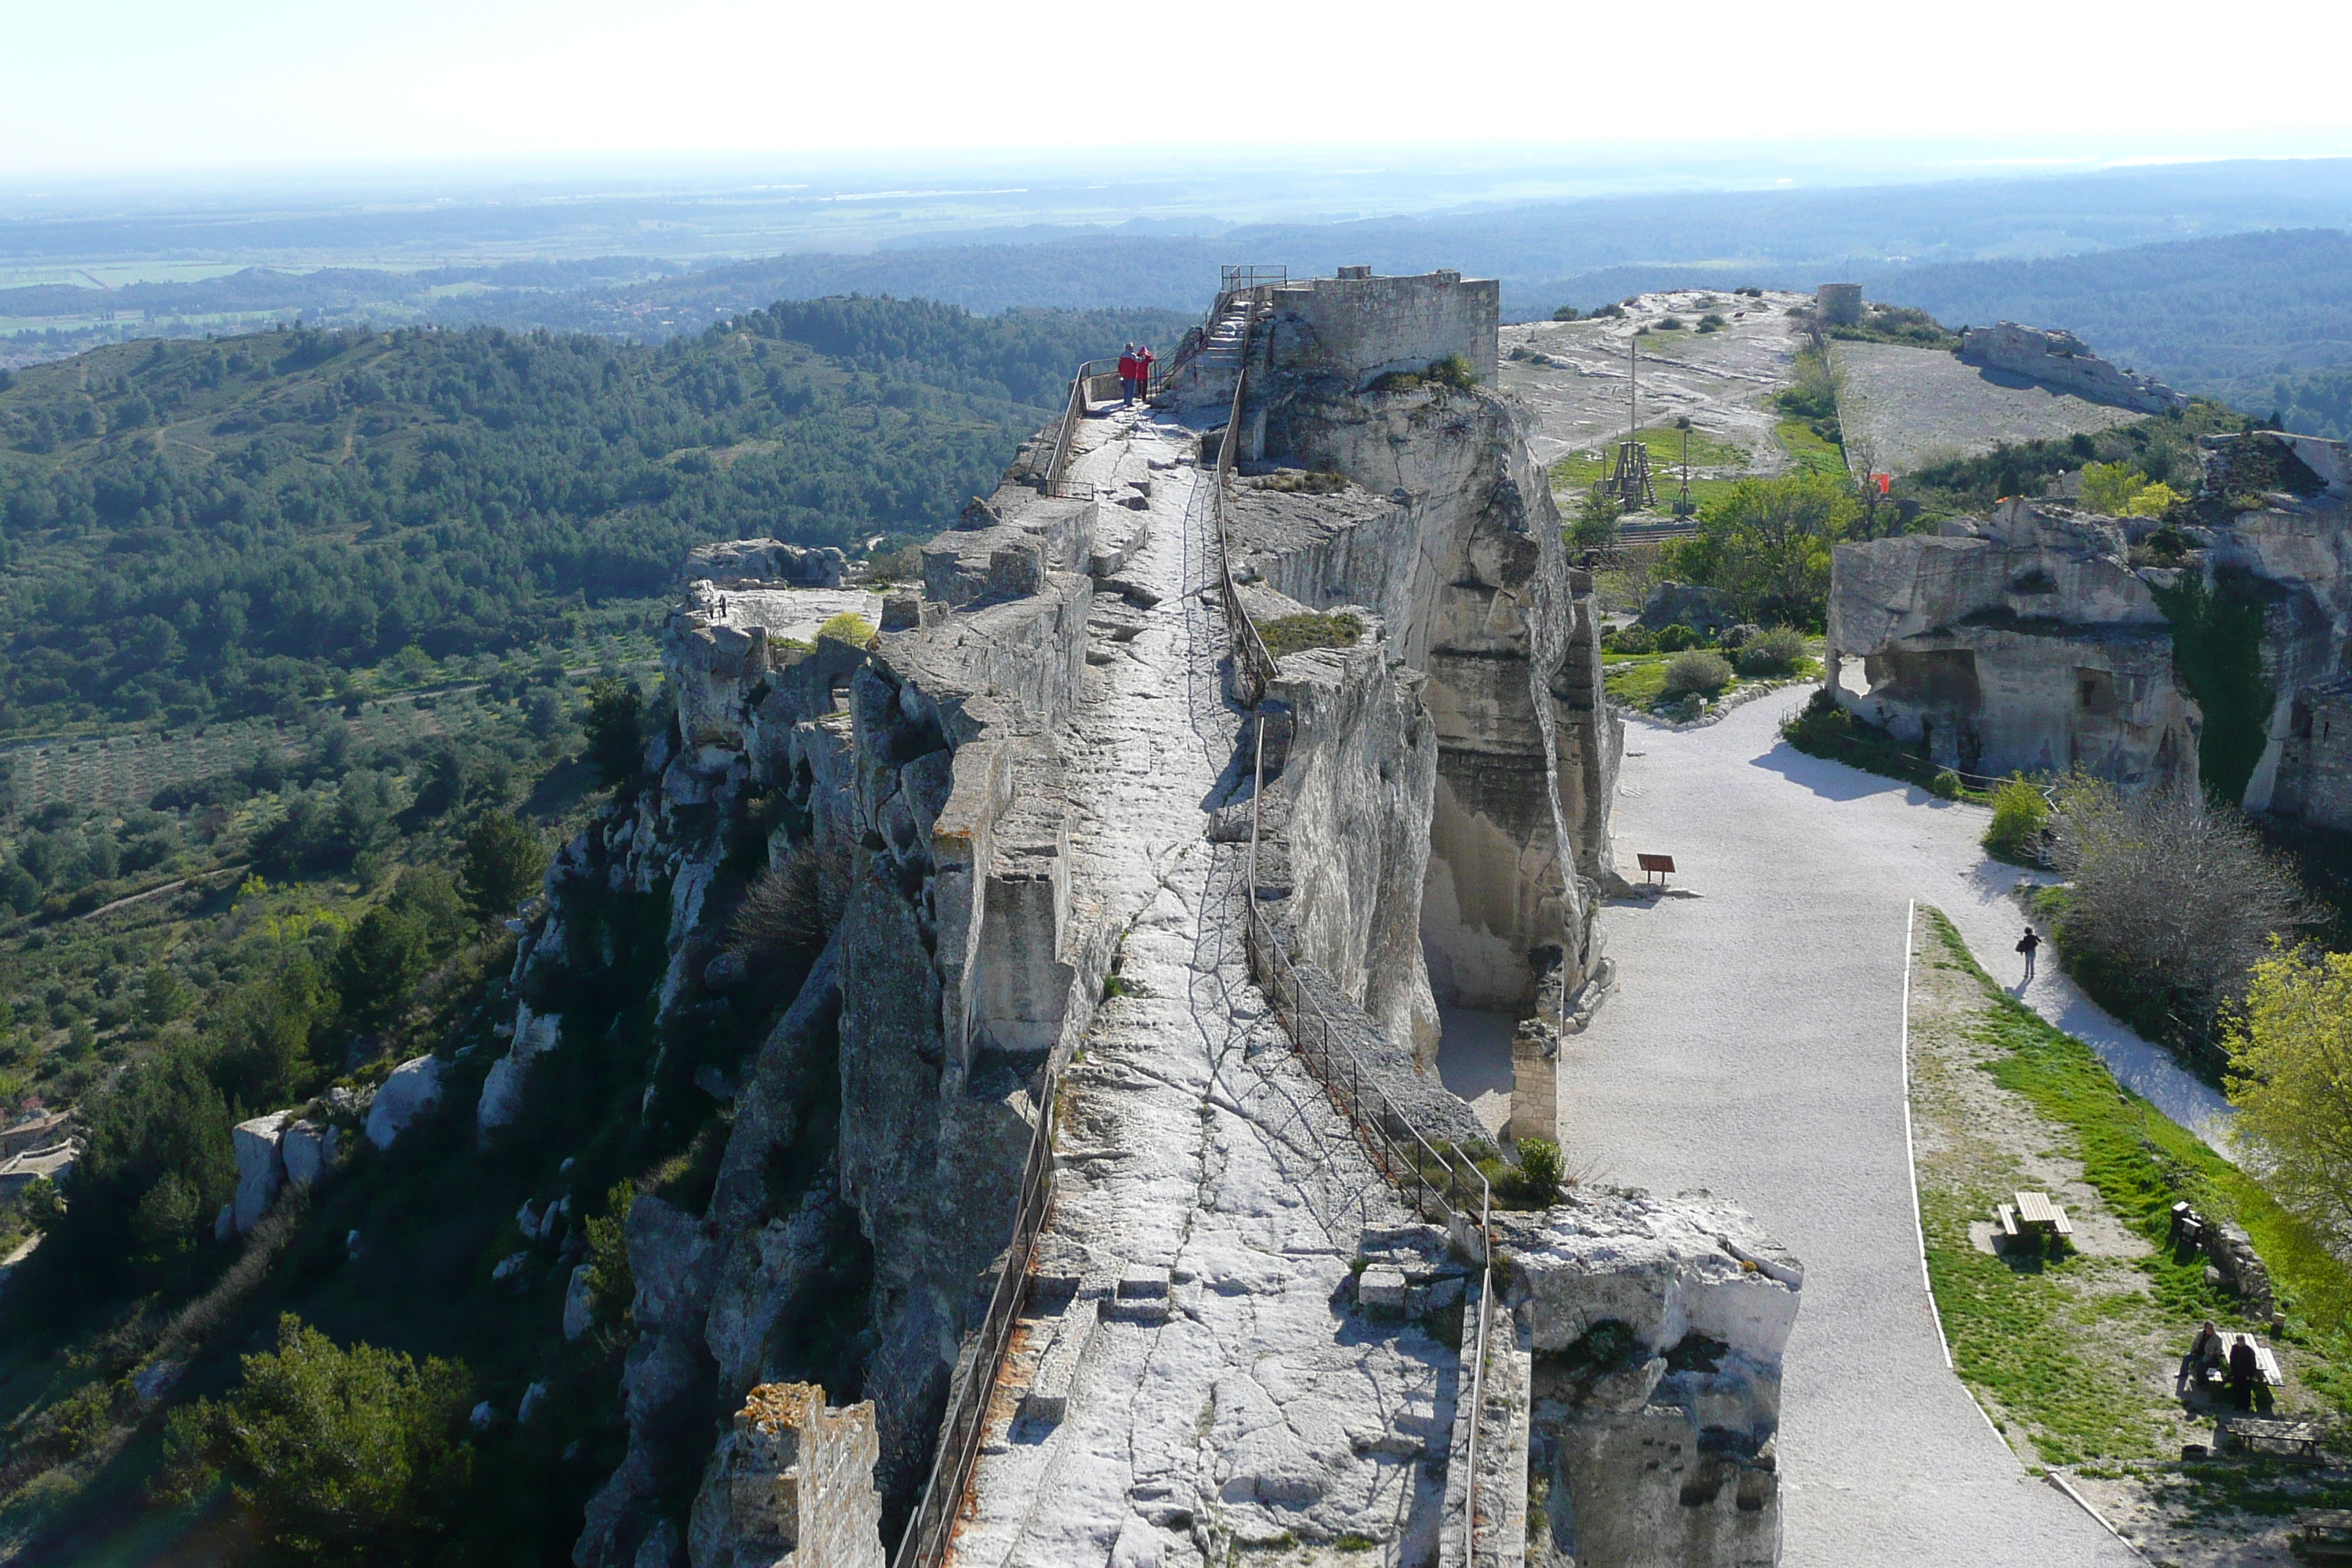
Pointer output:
x,y
1194,1143
1753,1049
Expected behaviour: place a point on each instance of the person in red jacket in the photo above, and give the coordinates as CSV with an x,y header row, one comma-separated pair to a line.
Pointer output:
x,y
1143,358
1127,373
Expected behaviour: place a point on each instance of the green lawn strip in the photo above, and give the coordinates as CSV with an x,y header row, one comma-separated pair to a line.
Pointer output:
x,y
2014,1336
1639,681
1813,455
2141,1162
1579,469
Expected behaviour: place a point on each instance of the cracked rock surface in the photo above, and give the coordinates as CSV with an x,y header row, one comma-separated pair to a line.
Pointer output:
x,y
1251,1404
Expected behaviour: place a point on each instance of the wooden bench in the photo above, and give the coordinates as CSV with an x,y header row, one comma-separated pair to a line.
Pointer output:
x,y
2297,1440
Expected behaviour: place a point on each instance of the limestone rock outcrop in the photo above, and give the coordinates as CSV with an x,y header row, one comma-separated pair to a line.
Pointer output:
x,y
2062,360
413,1088
2042,638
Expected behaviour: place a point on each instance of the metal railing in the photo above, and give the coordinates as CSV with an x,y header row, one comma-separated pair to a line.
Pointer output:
x,y
1437,1177
1254,668
932,1526
1232,280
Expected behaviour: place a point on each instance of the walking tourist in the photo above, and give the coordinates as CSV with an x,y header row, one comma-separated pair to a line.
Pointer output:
x,y
1127,367
1143,360
2028,944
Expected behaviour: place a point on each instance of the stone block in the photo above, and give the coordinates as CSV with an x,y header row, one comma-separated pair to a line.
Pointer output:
x,y
1057,1369
1381,1289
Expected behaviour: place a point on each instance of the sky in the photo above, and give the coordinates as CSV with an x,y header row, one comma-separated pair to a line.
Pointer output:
x,y
129,87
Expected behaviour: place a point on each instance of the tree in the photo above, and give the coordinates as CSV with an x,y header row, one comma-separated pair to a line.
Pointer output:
x,y
2173,901
379,963
1595,527
335,1455
615,726
259,1039
2291,1080
503,862
163,1125
2108,488
1767,545
1564,314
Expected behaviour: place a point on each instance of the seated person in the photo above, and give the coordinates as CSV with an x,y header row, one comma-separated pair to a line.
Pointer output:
x,y
2207,1359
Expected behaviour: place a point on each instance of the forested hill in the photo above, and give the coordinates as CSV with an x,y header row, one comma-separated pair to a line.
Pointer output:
x,y
196,529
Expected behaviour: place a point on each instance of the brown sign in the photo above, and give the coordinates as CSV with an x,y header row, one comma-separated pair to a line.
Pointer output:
x,y
1656,862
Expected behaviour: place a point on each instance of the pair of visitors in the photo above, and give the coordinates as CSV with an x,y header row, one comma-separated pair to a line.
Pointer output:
x,y
1135,372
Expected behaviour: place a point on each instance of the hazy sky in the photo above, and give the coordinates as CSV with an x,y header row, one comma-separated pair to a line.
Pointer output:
x,y
135,86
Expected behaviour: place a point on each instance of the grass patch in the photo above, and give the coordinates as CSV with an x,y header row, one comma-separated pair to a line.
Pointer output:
x,y
1811,452
2010,1330
1639,679
1288,634
1579,470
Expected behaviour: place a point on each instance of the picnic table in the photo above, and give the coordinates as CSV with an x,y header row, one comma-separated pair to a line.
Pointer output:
x,y
2323,1537
2034,1215
2267,1435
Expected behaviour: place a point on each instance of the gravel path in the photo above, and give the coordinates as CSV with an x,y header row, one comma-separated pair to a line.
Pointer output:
x,y
1753,1049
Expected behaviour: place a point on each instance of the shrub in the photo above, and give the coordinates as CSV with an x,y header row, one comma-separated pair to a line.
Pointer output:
x,y
1539,1168
1565,313
848,626
1697,672
1314,482
1670,323
796,903
1773,652
2172,905
1946,784
2020,813
1678,636
1636,639
1712,322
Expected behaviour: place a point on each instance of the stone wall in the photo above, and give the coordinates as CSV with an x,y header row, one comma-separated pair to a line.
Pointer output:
x,y
1656,1331
2314,770
2060,359
1357,328
790,1485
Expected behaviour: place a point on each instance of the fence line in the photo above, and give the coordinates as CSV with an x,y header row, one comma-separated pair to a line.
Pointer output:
x,y
928,1531
1436,1176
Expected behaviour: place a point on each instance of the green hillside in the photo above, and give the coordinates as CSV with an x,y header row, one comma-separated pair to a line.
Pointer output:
x,y
200,528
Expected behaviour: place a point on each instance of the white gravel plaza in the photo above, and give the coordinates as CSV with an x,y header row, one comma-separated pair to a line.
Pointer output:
x,y
1753,1049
